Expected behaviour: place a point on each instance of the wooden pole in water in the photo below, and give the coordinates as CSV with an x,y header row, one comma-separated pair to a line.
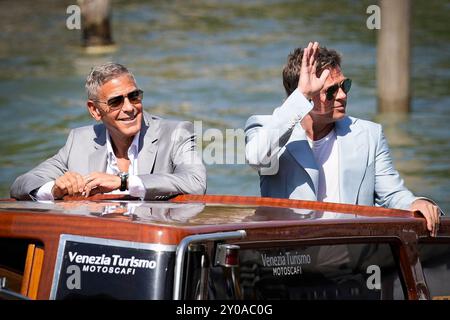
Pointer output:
x,y
393,55
95,21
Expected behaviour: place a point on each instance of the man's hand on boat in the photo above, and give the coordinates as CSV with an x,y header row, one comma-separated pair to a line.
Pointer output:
x,y
430,211
71,183
100,182
74,184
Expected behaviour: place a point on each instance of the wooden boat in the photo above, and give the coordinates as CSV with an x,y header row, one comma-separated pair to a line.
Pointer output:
x,y
218,247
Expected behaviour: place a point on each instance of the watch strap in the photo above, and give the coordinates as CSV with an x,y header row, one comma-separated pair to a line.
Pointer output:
x,y
123,180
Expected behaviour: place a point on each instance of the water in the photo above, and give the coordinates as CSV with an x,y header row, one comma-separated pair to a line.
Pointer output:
x,y
219,62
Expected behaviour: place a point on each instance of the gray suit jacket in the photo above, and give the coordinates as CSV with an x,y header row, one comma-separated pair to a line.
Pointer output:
x,y
168,162
277,146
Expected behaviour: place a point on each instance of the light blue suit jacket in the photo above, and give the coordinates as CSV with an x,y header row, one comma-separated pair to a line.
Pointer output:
x,y
277,146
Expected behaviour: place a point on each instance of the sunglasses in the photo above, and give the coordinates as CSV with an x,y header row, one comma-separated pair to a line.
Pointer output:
x,y
115,103
345,85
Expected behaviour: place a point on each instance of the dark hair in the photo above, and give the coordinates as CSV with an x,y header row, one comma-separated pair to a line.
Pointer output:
x,y
291,71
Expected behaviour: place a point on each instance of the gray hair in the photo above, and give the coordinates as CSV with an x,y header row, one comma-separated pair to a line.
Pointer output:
x,y
101,74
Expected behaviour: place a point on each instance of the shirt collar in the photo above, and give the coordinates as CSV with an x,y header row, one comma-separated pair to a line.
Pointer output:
x,y
133,149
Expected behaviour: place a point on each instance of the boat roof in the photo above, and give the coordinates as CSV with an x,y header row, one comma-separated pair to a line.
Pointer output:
x,y
263,219
205,210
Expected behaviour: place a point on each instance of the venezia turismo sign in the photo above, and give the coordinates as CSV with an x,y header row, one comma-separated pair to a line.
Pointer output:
x,y
287,263
101,268
111,264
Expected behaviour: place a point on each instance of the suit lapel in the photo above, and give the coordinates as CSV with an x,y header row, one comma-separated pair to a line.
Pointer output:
x,y
97,159
353,155
299,148
148,145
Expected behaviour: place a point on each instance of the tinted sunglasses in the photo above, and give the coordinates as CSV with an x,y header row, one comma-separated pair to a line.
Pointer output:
x,y
345,85
134,97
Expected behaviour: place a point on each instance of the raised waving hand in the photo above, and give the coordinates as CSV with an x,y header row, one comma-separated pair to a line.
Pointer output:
x,y
309,84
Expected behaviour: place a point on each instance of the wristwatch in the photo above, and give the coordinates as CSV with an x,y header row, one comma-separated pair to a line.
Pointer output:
x,y
123,180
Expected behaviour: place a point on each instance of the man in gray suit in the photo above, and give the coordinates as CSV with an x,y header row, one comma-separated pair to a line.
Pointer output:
x,y
129,152
309,149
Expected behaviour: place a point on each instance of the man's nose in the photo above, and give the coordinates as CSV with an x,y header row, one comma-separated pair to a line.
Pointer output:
x,y
127,105
341,94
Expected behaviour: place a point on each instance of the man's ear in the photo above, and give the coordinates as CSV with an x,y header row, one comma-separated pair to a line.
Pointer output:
x,y
93,110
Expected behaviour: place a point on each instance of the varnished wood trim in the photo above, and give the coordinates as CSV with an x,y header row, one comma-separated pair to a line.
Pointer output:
x,y
27,270
289,203
38,259
368,211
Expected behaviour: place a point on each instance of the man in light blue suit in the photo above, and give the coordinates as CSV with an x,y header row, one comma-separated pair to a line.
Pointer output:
x,y
310,149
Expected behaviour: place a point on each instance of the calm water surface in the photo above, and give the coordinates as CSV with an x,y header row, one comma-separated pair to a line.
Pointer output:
x,y
219,62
